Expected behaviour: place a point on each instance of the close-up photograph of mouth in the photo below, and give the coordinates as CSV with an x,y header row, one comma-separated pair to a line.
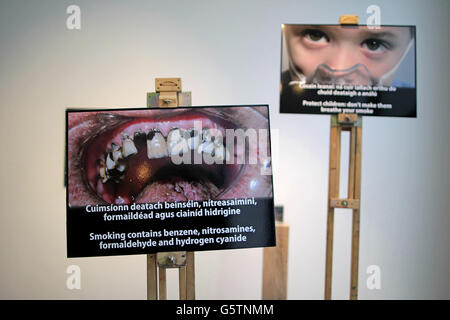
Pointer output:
x,y
126,156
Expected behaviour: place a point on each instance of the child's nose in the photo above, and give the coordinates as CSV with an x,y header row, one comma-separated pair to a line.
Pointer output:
x,y
342,58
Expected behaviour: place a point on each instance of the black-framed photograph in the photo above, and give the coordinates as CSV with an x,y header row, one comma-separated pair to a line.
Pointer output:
x,y
331,69
168,179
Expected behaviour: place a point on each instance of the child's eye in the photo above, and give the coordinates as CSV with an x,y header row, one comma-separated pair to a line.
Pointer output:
x,y
374,45
316,35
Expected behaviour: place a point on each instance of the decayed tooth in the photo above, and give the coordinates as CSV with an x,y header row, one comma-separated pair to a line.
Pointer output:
x,y
194,139
176,134
110,164
177,141
102,171
179,148
206,147
212,135
221,153
121,167
128,147
206,135
140,134
156,145
116,152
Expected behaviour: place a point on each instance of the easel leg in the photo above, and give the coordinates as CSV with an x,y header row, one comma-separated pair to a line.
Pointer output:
x,y
152,284
356,140
355,256
333,192
329,255
162,284
190,276
182,282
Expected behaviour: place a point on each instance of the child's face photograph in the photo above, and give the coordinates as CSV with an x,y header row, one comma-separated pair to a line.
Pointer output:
x,y
340,48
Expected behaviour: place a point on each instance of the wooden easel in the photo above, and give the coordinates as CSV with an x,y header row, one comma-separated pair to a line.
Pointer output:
x,y
353,124
168,94
339,123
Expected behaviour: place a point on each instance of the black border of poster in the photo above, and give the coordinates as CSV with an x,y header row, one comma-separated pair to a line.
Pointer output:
x,y
292,102
259,228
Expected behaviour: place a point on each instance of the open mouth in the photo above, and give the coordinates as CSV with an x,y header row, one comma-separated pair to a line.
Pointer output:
x,y
124,156
131,161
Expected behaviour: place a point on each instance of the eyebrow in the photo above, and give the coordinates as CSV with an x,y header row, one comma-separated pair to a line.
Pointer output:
x,y
298,29
379,34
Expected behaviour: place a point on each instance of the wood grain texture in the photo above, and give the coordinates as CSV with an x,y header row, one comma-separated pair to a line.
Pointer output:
x,y
152,284
352,123
169,95
275,266
333,193
190,275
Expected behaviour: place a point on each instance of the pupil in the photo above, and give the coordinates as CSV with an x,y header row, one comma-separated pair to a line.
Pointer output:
x,y
316,35
373,45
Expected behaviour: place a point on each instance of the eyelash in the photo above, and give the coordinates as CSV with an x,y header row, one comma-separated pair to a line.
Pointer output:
x,y
313,32
379,43
310,33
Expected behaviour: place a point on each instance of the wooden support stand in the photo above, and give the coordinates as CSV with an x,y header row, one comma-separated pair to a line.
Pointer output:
x,y
275,263
339,123
168,94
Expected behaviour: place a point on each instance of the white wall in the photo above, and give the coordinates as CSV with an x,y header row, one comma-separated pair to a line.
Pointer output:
x,y
227,52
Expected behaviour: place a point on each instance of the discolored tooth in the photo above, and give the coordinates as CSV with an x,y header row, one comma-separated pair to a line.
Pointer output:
x,y
221,153
117,155
156,145
212,135
176,134
206,147
207,135
110,164
102,171
121,167
194,139
178,148
139,136
128,147
177,142
116,152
